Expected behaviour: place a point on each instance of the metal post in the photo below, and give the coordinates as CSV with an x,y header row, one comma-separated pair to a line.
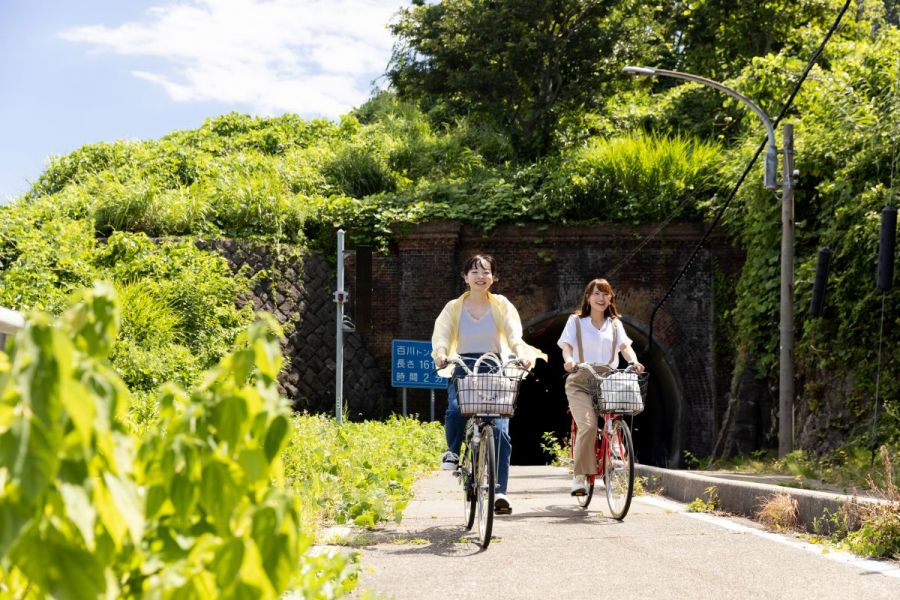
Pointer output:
x,y
404,402
339,334
432,404
786,370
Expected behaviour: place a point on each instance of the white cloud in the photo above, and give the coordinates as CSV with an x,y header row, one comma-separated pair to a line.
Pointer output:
x,y
312,57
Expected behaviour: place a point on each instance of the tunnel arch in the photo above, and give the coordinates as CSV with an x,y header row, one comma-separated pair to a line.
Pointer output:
x,y
658,431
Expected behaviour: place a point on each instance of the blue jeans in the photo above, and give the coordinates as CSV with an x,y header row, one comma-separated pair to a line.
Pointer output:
x,y
455,426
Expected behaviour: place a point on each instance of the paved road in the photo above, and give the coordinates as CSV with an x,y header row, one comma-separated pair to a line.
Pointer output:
x,y
550,548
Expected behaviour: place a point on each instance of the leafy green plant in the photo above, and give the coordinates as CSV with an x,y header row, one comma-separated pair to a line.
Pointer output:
x,y
359,473
558,453
710,504
691,462
188,509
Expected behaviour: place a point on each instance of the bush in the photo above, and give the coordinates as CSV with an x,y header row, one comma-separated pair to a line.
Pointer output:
x,y
359,473
636,178
87,509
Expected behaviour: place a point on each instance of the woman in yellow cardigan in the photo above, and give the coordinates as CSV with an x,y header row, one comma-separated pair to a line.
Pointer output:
x,y
475,323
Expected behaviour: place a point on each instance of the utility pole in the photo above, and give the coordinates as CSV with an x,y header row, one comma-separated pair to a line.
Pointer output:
x,y
786,327
339,298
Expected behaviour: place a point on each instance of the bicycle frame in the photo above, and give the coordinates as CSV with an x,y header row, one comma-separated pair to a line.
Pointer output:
x,y
480,458
614,452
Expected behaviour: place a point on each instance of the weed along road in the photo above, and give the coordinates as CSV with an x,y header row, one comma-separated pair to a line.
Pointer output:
x,y
551,548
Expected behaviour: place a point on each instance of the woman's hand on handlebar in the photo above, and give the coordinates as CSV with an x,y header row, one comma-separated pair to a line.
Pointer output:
x,y
441,361
570,365
523,362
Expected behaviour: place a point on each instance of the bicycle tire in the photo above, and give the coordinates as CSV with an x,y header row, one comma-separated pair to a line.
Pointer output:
x,y
618,474
467,481
585,501
485,481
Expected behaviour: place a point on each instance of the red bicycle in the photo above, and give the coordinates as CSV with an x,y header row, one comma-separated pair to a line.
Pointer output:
x,y
615,394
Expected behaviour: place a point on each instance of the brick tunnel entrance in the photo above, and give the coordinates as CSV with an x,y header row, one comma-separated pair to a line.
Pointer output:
x,y
542,404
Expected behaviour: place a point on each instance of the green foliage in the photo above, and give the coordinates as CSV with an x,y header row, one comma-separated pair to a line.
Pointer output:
x,y
709,505
359,473
690,460
178,302
519,66
88,510
433,152
557,453
868,528
636,178
715,38
358,172
879,536
846,155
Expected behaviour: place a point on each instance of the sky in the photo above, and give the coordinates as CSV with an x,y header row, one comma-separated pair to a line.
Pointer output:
x,y
75,72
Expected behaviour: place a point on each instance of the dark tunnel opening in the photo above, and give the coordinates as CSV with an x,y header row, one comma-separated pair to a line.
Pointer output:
x,y
542,405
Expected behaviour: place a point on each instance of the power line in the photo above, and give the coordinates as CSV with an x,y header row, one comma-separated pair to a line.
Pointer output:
x,y
734,190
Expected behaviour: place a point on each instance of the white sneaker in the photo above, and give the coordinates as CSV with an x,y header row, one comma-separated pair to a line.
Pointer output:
x,y
501,505
579,486
449,461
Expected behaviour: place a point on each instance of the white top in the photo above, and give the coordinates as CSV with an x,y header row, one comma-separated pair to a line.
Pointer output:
x,y
477,335
597,342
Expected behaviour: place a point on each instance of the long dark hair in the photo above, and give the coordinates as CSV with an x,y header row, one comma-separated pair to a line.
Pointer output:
x,y
602,285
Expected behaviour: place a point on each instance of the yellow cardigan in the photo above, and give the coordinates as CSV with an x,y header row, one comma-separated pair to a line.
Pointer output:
x,y
509,330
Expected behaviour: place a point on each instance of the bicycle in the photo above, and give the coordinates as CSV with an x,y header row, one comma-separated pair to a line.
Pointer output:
x,y
614,394
486,392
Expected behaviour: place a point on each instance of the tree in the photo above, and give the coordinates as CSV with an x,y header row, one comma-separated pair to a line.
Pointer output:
x,y
716,38
517,65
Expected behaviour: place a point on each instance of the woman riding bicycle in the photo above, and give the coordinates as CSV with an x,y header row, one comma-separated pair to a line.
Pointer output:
x,y
594,335
469,326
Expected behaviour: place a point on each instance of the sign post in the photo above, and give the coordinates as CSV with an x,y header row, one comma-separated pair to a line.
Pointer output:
x,y
413,367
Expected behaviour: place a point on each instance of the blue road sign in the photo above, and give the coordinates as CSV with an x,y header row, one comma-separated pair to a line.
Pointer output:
x,y
412,365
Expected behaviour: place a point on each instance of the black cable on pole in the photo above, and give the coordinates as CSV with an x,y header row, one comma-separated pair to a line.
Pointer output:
x,y
734,190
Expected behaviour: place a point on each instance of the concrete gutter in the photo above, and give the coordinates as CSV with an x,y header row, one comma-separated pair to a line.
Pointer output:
x,y
746,497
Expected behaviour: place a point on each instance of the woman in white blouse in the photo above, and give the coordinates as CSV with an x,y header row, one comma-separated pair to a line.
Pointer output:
x,y
602,337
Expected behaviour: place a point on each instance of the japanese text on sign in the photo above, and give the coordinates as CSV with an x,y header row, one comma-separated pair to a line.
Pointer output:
x,y
412,365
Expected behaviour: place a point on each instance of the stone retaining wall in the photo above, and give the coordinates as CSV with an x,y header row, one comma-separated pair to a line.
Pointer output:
x,y
297,287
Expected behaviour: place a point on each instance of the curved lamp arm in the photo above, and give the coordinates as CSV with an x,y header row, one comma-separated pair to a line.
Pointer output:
x,y
771,150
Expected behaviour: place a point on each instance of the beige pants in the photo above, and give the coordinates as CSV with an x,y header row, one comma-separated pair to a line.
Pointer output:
x,y
585,419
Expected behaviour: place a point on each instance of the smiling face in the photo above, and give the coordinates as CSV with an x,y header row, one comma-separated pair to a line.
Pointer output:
x,y
598,299
479,276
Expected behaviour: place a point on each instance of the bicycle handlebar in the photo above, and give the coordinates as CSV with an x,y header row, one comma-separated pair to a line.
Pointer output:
x,y
589,367
457,360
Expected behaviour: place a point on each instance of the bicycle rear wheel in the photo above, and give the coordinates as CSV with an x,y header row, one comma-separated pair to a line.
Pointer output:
x,y
467,480
584,501
484,485
619,472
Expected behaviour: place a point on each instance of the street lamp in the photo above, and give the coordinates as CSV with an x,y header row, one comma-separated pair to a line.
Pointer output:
x,y
769,178
786,327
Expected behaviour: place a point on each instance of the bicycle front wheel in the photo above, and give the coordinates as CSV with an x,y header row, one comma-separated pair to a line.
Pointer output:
x,y
484,485
619,472
467,480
